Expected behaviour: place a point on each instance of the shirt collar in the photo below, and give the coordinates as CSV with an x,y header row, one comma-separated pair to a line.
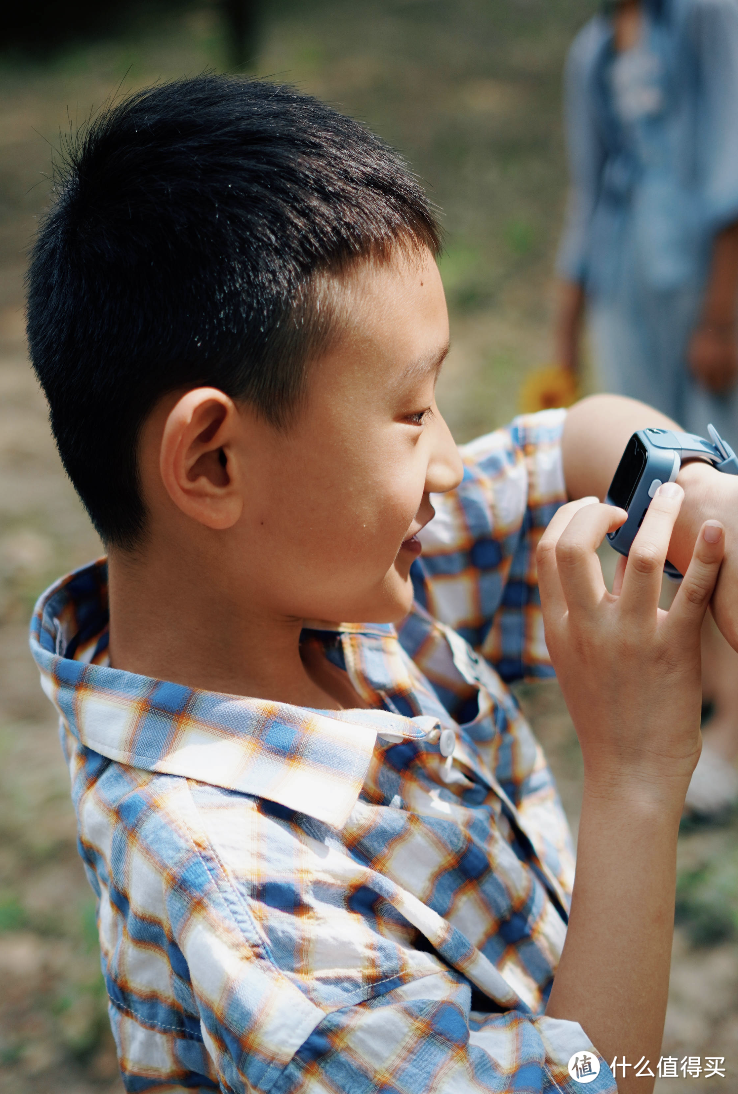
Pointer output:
x,y
312,761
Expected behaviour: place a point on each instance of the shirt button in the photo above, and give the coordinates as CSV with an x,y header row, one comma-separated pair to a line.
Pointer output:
x,y
447,743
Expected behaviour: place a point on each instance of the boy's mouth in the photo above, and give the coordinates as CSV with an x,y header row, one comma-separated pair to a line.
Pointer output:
x,y
412,545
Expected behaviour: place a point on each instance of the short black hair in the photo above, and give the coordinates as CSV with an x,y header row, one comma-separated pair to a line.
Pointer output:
x,y
190,224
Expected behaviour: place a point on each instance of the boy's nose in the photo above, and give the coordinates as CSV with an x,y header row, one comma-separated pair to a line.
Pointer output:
x,y
445,470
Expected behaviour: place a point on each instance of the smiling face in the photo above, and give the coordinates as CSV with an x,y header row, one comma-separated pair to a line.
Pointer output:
x,y
336,500
249,524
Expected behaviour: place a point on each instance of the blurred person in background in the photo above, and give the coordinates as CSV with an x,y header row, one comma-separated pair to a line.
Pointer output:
x,y
651,248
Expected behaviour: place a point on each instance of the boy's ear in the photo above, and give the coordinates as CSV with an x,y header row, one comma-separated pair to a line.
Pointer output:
x,y
196,458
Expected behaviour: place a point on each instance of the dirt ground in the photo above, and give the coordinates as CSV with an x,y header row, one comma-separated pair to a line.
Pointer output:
x,y
469,90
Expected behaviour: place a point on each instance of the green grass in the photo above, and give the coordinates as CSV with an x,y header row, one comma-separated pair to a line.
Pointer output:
x,y
13,916
707,899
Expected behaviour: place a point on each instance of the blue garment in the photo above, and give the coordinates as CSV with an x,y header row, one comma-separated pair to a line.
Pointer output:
x,y
653,148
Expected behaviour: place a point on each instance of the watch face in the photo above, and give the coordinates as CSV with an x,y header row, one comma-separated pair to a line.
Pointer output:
x,y
628,475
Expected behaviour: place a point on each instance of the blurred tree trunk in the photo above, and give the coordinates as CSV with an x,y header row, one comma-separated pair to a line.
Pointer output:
x,y
242,17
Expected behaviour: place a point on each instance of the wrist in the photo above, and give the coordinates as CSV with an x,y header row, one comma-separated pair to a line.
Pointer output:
x,y
708,494
653,795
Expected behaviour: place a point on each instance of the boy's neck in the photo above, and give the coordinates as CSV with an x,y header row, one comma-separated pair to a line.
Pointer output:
x,y
172,625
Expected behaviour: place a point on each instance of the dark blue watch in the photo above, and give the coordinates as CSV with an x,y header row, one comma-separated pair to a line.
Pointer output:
x,y
652,457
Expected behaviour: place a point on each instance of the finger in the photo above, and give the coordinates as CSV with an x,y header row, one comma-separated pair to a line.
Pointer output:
x,y
617,582
563,516
580,572
552,595
692,600
642,582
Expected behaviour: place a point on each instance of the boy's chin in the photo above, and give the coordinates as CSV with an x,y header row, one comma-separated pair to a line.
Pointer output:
x,y
390,605
396,602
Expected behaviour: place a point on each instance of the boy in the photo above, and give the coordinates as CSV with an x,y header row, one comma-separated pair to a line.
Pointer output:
x,y
328,853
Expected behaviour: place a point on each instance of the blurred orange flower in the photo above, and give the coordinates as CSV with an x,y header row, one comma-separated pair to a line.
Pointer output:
x,y
547,387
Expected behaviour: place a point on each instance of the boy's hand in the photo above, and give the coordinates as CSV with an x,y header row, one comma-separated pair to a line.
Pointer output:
x,y
630,672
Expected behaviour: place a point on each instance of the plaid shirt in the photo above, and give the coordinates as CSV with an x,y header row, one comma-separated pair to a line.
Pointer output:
x,y
338,901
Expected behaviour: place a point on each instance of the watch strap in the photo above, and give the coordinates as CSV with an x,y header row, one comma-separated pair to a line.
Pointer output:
x,y
729,464
691,446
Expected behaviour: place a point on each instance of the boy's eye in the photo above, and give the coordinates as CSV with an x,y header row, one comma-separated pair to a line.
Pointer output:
x,y
420,418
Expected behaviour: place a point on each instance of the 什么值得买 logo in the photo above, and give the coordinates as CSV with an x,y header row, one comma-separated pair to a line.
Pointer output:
x,y
584,1067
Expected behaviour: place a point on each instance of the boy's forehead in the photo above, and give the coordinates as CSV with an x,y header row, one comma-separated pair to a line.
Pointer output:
x,y
404,268
395,311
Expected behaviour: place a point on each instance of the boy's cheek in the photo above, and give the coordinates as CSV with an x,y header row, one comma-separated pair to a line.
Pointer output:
x,y
352,518
372,521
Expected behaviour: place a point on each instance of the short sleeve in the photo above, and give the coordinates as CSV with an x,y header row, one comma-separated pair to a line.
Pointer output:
x,y
714,34
478,570
585,152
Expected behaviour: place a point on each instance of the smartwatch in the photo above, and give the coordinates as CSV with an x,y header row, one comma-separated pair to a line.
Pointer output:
x,y
652,457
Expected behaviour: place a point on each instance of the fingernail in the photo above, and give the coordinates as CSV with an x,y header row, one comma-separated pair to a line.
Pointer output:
x,y
669,490
591,500
713,531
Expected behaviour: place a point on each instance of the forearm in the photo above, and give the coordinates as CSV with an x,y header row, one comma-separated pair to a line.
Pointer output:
x,y
613,977
569,324
630,675
712,354
719,309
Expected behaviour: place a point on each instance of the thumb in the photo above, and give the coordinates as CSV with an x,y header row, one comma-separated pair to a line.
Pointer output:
x,y
693,598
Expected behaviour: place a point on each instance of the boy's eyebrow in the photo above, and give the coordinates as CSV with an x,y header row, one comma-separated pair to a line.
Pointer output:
x,y
419,369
